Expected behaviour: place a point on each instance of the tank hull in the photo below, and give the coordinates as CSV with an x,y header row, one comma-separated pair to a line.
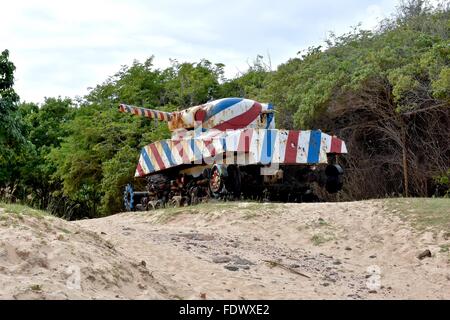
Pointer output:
x,y
242,147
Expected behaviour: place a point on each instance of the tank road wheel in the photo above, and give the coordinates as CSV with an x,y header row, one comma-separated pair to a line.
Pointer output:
x,y
175,202
155,205
216,181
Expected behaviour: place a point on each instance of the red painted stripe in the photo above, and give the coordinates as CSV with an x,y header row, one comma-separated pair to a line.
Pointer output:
x,y
136,111
291,146
139,170
245,140
243,120
210,147
179,147
157,157
336,145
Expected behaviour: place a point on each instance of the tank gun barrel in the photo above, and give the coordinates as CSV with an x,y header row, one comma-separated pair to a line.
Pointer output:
x,y
147,113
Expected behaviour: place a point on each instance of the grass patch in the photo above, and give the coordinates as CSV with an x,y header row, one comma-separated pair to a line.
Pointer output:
x,y
167,214
249,209
65,230
21,210
423,213
36,287
319,239
445,248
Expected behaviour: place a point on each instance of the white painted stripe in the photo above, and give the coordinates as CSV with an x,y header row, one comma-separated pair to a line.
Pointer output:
x,y
230,113
253,150
303,147
343,147
175,154
232,139
279,151
204,152
324,138
187,149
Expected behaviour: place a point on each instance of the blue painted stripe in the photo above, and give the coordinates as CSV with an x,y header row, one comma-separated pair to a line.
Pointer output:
x,y
269,120
314,147
196,150
268,146
147,160
270,116
222,105
168,153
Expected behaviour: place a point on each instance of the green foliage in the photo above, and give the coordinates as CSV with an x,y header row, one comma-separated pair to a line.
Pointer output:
x,y
190,84
45,128
441,87
249,84
11,138
98,158
443,182
410,54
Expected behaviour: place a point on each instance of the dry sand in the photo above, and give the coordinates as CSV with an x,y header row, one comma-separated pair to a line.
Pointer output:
x,y
357,250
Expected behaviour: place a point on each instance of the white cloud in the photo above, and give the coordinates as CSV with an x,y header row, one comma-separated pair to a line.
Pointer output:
x,y
63,47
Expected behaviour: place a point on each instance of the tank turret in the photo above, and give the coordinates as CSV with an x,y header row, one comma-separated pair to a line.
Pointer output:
x,y
224,114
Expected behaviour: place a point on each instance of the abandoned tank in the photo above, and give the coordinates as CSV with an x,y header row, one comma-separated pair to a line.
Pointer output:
x,y
229,149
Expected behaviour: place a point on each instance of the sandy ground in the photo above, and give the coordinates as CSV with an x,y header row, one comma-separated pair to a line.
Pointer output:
x,y
357,250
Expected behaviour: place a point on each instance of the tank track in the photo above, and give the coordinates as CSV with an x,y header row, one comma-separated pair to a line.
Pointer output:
x,y
288,184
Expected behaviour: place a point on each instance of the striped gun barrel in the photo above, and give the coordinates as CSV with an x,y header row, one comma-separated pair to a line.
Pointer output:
x,y
147,113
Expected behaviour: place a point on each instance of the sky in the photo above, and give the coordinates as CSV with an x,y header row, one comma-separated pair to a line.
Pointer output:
x,y
61,48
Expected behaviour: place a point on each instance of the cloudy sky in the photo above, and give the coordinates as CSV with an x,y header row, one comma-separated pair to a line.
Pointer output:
x,y
64,47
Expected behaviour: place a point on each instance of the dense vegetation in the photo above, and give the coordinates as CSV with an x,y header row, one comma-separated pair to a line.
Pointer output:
x,y
385,92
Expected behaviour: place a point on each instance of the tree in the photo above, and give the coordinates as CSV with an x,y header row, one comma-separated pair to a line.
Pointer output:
x,y
189,84
44,128
11,138
249,84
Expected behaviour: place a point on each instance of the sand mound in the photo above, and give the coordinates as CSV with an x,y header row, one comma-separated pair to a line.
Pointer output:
x,y
42,257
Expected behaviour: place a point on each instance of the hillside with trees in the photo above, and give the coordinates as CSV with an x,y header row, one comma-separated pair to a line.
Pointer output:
x,y
386,92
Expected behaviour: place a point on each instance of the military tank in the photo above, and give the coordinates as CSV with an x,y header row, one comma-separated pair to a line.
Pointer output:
x,y
229,149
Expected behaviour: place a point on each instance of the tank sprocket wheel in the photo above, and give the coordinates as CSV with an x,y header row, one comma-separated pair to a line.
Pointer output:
x,y
128,197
